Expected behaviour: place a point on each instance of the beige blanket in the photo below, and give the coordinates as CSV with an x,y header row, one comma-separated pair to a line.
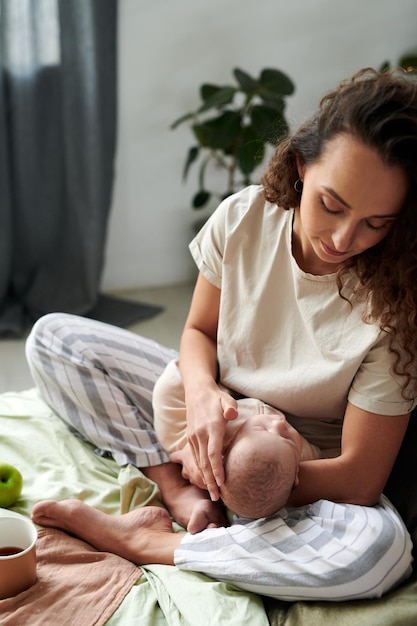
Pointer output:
x,y
76,585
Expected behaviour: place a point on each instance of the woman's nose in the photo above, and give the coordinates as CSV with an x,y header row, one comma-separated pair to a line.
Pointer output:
x,y
343,237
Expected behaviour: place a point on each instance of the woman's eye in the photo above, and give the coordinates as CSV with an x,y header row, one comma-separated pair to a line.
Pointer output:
x,y
373,227
327,210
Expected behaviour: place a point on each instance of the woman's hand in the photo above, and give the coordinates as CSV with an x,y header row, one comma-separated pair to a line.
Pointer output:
x,y
208,407
190,470
205,431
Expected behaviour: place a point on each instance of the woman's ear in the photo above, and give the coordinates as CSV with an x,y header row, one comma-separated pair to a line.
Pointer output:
x,y
300,167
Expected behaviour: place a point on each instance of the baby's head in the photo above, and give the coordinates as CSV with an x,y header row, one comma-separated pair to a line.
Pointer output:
x,y
261,466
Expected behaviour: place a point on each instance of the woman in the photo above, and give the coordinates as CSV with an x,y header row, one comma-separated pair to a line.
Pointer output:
x,y
306,299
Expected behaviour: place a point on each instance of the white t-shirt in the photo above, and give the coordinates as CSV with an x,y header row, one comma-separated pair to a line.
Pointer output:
x,y
285,336
170,416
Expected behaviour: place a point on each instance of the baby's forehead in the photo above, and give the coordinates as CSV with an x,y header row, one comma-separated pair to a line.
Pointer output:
x,y
253,425
255,452
265,418
252,407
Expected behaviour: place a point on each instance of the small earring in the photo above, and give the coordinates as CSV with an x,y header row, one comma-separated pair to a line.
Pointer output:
x,y
298,185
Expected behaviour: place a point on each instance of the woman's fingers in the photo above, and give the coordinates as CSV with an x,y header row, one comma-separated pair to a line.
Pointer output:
x,y
190,470
211,462
206,441
229,407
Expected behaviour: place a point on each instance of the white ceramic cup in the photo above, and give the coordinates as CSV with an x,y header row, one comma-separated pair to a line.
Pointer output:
x,y
17,555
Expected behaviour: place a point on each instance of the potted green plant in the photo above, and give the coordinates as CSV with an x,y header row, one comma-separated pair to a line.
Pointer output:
x,y
232,127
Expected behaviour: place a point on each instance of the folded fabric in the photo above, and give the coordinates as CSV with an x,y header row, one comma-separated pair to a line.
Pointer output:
x,y
189,598
76,584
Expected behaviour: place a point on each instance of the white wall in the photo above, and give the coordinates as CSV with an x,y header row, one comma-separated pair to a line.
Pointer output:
x,y
167,48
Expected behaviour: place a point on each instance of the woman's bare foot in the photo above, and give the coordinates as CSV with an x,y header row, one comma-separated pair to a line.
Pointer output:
x,y
143,536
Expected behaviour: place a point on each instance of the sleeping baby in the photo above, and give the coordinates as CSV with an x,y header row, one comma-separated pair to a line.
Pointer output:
x,y
262,451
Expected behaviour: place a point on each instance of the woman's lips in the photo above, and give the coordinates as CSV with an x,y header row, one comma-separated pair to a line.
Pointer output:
x,y
332,251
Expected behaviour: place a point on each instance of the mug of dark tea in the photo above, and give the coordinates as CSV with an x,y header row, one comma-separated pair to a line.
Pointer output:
x,y
17,555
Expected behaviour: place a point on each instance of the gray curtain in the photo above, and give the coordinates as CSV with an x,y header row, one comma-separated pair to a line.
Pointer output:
x,y
57,147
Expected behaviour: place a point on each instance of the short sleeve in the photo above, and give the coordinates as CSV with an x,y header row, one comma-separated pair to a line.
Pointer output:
x,y
376,388
208,247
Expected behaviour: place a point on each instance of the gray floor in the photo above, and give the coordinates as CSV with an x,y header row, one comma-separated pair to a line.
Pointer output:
x,y
165,328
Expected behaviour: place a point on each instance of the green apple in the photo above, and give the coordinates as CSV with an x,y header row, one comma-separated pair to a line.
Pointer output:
x,y
10,484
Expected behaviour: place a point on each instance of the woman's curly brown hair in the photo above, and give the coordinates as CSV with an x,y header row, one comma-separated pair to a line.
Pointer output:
x,y
379,109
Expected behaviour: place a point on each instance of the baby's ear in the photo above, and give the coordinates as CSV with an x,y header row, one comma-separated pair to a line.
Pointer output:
x,y
296,479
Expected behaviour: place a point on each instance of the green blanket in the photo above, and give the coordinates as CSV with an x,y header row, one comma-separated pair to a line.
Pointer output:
x,y
56,464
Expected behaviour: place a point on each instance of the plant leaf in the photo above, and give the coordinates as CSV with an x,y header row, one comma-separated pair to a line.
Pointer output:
x,y
218,99
202,134
276,82
269,123
181,119
208,89
273,101
246,82
219,132
192,156
251,150
200,199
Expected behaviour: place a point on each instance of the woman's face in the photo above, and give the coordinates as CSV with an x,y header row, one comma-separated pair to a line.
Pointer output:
x,y
349,203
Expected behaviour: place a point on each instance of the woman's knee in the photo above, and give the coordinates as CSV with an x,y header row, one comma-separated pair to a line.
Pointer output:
x,y
42,330
46,342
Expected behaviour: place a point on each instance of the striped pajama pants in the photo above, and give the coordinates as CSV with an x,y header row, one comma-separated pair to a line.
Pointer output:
x,y
99,380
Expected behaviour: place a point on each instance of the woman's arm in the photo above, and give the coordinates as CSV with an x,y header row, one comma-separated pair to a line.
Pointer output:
x,y
207,406
370,444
